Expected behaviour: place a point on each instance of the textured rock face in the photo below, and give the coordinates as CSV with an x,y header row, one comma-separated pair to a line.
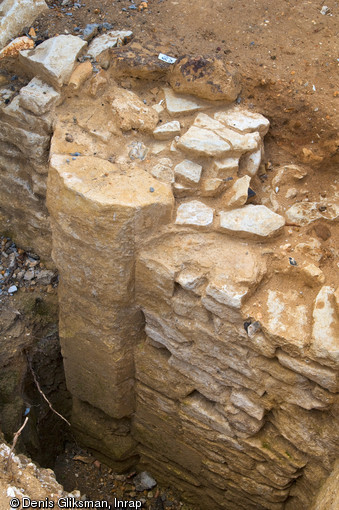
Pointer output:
x,y
199,332
17,14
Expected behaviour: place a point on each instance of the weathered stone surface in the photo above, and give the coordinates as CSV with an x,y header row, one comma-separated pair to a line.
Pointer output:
x,y
312,275
38,97
188,172
255,221
304,213
53,60
203,142
324,376
243,120
178,104
16,15
250,162
243,401
325,333
12,49
204,77
163,170
212,187
167,131
238,194
288,174
80,74
131,112
226,167
100,48
195,214
18,116
288,319
328,496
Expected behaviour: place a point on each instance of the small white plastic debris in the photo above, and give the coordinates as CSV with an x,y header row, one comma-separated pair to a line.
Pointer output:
x,y
166,58
13,288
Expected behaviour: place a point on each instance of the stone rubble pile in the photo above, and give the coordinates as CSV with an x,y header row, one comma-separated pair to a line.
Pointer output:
x,y
194,343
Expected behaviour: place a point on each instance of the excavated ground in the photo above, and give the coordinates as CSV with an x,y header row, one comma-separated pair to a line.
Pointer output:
x,y
286,54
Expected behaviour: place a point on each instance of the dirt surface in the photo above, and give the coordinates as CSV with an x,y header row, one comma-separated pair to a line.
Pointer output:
x,y
286,53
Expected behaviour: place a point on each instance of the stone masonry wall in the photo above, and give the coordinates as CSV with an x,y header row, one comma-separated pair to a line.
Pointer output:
x,y
198,320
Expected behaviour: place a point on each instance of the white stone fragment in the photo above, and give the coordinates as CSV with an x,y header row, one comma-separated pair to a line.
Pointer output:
x,y
242,400
244,120
188,171
227,292
226,167
189,279
17,14
194,213
105,41
53,60
304,213
177,104
203,142
238,194
325,333
238,142
250,162
212,187
12,289
251,221
312,275
38,97
163,170
167,131
205,121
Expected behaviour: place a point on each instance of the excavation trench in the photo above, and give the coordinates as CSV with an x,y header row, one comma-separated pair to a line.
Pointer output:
x,y
197,299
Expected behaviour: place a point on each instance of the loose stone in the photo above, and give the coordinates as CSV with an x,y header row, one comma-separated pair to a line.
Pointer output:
x,y
194,213
251,221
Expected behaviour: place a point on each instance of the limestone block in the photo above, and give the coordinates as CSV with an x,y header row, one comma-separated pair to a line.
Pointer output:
x,y
203,142
195,214
32,145
206,122
16,115
212,187
167,131
328,496
294,395
324,376
243,120
246,403
206,77
192,280
188,172
53,60
255,221
131,112
80,74
240,143
304,213
17,14
288,174
261,344
38,97
238,194
153,369
97,430
226,167
325,332
250,162
177,104
97,49
163,170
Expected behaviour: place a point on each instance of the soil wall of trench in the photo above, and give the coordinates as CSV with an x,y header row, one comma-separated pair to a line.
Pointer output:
x,y
198,296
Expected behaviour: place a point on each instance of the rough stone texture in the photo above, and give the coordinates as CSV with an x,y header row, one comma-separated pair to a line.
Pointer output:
x,y
243,120
251,221
38,97
238,194
97,50
194,213
17,14
132,113
167,131
188,172
328,497
203,142
178,104
204,77
53,60
12,49
325,334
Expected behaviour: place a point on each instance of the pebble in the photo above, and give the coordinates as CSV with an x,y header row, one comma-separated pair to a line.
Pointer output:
x,y
12,289
143,481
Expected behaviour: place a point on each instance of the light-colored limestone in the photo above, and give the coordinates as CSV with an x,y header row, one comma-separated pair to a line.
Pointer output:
x,y
53,60
195,214
226,167
188,172
324,376
243,120
178,104
304,213
325,333
17,14
12,49
38,97
242,400
312,275
250,162
131,112
104,42
251,221
163,170
167,131
212,187
238,194
203,142
288,174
